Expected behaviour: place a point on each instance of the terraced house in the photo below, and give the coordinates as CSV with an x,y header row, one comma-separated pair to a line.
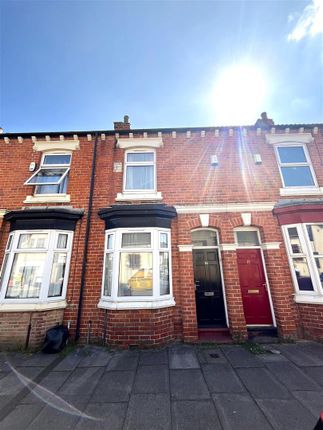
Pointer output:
x,y
142,237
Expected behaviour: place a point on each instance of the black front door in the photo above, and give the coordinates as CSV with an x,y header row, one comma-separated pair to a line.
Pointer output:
x,y
209,293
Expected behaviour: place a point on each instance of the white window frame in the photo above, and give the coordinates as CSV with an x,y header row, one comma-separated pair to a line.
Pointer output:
x,y
139,163
44,166
308,163
315,296
236,230
50,250
137,302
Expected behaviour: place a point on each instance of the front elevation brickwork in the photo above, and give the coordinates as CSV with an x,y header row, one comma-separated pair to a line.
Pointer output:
x,y
139,198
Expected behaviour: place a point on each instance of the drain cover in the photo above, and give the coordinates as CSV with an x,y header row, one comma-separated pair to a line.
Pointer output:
x,y
214,355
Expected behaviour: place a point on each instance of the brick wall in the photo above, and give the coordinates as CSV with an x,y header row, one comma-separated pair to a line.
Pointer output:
x,y
311,318
143,328
184,176
14,327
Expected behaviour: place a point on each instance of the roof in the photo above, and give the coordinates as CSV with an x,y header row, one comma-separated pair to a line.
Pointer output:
x,y
152,130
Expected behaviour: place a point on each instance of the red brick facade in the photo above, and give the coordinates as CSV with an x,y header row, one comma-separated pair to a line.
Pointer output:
x,y
186,178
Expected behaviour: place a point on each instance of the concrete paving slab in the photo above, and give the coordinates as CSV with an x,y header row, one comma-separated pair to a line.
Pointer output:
x,y
113,387
240,357
287,414
95,357
312,400
195,415
124,360
221,378
211,356
21,417
239,411
292,377
148,412
110,416
39,360
11,385
303,354
188,385
80,384
52,382
183,358
148,358
272,358
69,363
54,419
261,384
152,379
315,373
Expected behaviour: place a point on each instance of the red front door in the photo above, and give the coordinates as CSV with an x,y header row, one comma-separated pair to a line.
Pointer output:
x,y
253,287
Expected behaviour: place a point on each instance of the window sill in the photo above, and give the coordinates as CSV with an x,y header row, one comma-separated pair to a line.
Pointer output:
x,y
48,198
32,307
301,191
307,299
140,304
121,197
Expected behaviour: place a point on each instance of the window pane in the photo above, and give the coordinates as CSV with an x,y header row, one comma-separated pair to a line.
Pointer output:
x,y
33,241
164,273
26,276
62,241
302,274
163,240
297,176
294,241
57,159
140,178
57,276
247,238
3,269
108,275
53,189
48,176
110,241
8,247
204,238
140,156
315,234
292,154
136,282
319,266
136,240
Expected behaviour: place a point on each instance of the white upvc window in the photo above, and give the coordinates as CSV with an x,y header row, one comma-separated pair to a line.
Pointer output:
x,y
304,243
52,176
36,266
137,269
295,166
140,171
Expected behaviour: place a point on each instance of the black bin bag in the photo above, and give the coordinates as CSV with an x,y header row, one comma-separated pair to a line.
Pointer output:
x,y
55,339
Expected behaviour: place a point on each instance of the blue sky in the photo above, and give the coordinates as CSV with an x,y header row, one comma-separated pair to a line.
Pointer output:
x,y
80,65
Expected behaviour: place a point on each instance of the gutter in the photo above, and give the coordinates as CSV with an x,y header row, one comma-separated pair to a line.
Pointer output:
x,y
86,240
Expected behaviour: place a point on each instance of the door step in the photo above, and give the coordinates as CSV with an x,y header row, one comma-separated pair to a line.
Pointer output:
x,y
263,334
214,334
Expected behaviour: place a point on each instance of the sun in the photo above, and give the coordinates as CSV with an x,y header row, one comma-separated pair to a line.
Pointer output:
x,y
239,95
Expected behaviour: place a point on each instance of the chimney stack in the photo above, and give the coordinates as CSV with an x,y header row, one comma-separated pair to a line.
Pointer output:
x,y
125,125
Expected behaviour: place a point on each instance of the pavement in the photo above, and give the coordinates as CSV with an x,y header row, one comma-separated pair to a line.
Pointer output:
x,y
181,387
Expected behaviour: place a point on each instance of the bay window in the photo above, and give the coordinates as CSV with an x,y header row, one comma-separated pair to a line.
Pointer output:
x,y
305,249
35,266
137,272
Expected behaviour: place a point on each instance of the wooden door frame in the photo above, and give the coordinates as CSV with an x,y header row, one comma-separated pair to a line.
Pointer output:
x,y
264,269
218,248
